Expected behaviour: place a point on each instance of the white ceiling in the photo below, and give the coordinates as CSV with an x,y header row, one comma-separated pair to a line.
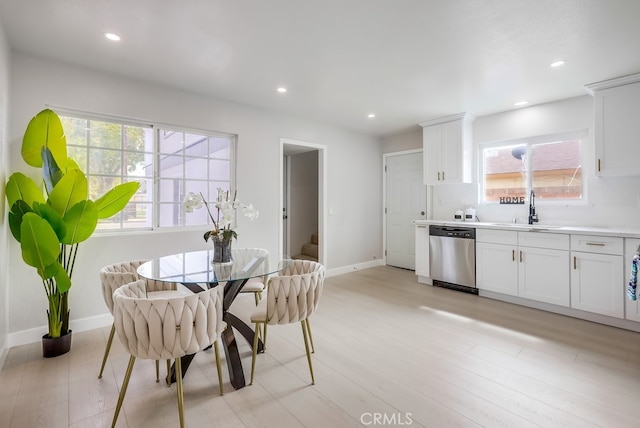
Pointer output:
x,y
404,60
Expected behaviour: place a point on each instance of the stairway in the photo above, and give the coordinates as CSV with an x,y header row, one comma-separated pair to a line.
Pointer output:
x,y
309,250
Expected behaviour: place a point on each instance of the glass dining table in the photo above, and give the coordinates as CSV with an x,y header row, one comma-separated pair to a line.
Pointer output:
x,y
197,272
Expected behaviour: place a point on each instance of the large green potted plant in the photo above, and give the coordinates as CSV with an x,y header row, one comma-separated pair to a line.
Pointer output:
x,y
51,219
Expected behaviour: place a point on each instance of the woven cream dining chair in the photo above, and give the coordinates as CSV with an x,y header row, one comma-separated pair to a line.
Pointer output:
x,y
167,328
256,284
292,296
115,276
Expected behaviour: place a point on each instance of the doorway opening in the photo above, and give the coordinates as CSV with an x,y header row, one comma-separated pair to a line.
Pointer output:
x,y
303,200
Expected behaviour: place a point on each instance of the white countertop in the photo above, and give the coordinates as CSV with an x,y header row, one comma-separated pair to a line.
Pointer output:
x,y
538,227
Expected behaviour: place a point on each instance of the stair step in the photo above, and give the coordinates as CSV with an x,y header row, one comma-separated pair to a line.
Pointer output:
x,y
310,249
305,257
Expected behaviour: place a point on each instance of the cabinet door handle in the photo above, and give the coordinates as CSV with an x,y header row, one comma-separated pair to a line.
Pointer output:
x,y
421,227
520,256
596,244
598,165
513,255
442,175
575,263
438,175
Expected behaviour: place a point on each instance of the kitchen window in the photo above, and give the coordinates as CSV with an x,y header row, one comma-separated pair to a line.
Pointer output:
x,y
167,161
549,165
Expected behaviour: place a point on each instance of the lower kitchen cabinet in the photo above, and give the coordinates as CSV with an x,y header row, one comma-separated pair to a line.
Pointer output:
x,y
597,283
543,275
422,250
540,274
496,268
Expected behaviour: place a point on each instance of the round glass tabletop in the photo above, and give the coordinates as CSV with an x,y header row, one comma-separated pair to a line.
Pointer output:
x,y
197,267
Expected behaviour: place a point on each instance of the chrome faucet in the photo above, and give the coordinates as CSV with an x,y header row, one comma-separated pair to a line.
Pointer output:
x,y
533,217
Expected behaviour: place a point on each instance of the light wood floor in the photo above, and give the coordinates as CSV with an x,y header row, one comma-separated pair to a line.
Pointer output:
x,y
386,348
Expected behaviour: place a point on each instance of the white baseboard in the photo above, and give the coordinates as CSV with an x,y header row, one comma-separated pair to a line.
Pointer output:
x,y
351,268
34,335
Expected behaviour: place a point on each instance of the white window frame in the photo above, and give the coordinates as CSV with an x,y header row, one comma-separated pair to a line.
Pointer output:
x,y
155,156
530,141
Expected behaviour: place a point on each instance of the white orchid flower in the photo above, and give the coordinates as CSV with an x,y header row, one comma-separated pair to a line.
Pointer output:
x,y
226,212
192,201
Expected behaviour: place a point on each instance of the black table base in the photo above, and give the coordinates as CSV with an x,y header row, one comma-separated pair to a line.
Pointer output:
x,y
229,343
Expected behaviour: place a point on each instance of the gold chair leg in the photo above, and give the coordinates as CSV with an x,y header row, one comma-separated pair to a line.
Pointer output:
x,y
255,350
313,349
107,349
180,392
256,296
306,347
217,351
168,379
157,371
123,389
264,337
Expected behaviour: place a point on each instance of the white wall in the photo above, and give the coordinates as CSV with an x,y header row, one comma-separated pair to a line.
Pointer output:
x,y
610,201
4,173
353,165
408,140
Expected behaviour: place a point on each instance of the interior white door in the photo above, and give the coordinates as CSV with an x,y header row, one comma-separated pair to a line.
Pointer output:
x,y
406,200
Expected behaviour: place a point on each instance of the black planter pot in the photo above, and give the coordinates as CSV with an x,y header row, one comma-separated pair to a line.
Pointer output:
x,y
56,346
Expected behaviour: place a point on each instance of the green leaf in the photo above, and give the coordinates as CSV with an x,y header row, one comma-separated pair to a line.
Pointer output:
x,y
21,187
63,282
52,217
116,199
70,190
18,210
51,270
81,221
71,165
40,245
51,173
44,130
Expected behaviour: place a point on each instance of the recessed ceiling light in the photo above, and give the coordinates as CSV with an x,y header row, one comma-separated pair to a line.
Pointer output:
x,y
557,63
371,115
521,103
112,36
282,89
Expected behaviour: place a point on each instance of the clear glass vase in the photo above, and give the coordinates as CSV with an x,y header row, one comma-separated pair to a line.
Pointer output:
x,y
221,250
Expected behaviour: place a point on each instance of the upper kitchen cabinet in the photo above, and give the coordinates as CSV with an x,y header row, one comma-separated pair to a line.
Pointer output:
x,y
617,128
448,150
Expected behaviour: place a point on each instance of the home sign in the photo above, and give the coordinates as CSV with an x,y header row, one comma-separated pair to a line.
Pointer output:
x,y
512,200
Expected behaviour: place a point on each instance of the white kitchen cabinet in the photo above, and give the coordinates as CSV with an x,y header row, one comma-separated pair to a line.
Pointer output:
x,y
496,268
422,250
447,149
530,265
632,307
543,275
597,282
616,125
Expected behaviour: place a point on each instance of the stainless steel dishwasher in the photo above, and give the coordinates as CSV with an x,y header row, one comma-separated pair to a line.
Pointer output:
x,y
452,257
